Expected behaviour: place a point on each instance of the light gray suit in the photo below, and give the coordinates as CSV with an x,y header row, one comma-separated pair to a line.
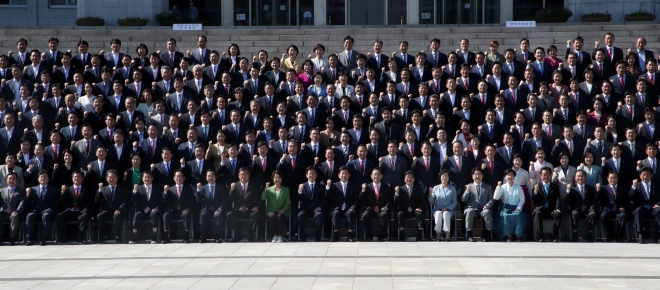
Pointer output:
x,y
393,176
81,154
3,176
475,202
15,204
348,63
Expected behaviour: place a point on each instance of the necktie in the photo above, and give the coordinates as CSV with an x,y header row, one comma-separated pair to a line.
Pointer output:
x,y
87,146
55,152
293,163
330,168
263,164
609,52
549,130
233,165
630,112
651,79
426,163
148,192
621,82
362,167
153,146
405,89
178,190
167,168
458,163
77,192
334,78
490,131
200,165
546,194
513,96
171,59
451,71
377,191
205,132
648,190
392,162
283,147
244,192
411,150
490,164
568,144
42,192
600,146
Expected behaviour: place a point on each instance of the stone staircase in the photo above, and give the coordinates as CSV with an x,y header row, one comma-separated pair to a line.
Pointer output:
x,y
275,40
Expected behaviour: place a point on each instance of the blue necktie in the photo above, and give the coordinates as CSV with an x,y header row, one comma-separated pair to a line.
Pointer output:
x,y
167,168
233,165
546,194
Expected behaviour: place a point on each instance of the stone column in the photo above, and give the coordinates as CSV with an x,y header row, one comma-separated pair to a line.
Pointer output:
x,y
506,11
320,13
412,12
227,8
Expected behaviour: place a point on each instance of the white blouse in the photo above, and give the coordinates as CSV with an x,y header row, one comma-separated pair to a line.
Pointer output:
x,y
511,195
535,171
522,178
320,63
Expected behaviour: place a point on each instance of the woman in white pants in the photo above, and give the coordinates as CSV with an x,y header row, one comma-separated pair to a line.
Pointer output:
x,y
442,199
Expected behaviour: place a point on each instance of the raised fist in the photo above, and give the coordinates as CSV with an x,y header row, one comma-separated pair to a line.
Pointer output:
x,y
400,145
166,188
27,191
56,166
267,184
568,186
597,186
89,167
135,187
396,190
316,160
199,186
31,168
364,186
602,160
233,186
499,183
254,158
414,159
351,157
468,187
284,156
63,188
182,161
380,159
556,142
536,187
527,136
556,169
300,187
100,186
483,166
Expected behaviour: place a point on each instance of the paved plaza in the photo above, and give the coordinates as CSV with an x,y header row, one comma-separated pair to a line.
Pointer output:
x,y
387,265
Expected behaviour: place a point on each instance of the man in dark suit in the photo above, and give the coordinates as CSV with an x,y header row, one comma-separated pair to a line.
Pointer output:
x,y
511,67
524,55
377,60
11,89
645,202
195,86
12,206
123,73
612,54
214,71
614,202
163,172
343,200
542,69
425,167
36,165
547,204
582,203
507,151
149,148
435,58
464,54
459,166
42,200
376,199
622,166
95,172
112,200
148,203
388,129
262,166
275,76
571,146
10,135
113,58
348,57
179,201
584,58
516,97
21,57
212,198
360,168
530,146
244,202
202,54
171,57
196,169
492,168
410,200
312,203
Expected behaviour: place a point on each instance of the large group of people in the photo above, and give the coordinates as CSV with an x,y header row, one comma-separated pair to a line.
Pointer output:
x,y
258,148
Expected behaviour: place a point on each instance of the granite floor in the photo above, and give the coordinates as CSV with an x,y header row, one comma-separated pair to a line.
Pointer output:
x,y
386,265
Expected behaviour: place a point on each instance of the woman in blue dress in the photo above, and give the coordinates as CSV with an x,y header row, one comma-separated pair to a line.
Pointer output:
x,y
511,221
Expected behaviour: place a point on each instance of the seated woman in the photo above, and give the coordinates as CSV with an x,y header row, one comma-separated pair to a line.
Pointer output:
x,y
277,205
510,222
442,199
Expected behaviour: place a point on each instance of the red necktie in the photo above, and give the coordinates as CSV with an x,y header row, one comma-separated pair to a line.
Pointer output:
x,y
458,164
75,205
362,167
482,99
465,84
153,146
621,82
548,127
263,164
630,112
178,190
293,164
491,166
411,150
359,99
652,81
391,162
609,52
55,152
405,89
436,87
513,96
451,71
330,168
345,117
227,89
426,163
87,146
377,191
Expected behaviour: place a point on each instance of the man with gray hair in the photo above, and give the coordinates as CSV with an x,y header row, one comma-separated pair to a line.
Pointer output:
x,y
196,85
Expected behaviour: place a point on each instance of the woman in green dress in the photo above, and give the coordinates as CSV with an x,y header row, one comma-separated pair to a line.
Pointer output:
x,y
493,55
277,205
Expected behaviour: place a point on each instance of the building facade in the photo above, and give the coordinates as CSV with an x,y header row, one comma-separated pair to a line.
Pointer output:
x,y
54,13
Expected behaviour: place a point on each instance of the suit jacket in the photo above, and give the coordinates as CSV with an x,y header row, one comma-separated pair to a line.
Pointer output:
x,y
598,154
395,130
217,201
628,83
312,198
173,107
503,154
111,203
141,201
435,59
409,200
175,202
520,98
251,199
49,201
576,201
626,170
49,153
478,199
588,132
122,74
336,198
84,200
196,56
459,175
583,62
639,147
109,60
373,63
518,70
613,200
426,177
617,54
640,198
328,170
541,197
347,63
32,178
94,177
574,154
529,146
173,63
10,143
81,153
8,90
385,199
191,87
360,174
258,174
233,137
16,203
542,72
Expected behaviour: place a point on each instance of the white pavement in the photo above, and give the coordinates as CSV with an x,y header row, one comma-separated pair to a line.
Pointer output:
x,y
386,265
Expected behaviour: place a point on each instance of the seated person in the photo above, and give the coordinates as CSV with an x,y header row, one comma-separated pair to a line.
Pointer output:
x,y
343,199
111,200
376,199
278,201
511,221
582,202
148,202
547,204
311,197
410,201
43,203
212,197
478,199
244,202
179,200
75,205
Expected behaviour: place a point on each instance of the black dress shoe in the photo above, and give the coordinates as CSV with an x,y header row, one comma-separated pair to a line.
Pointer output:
x,y
186,241
640,238
42,243
471,239
555,240
202,241
29,243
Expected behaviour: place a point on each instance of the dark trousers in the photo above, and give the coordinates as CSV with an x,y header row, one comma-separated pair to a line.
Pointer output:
x,y
46,228
402,215
337,214
176,214
218,221
14,223
277,223
607,215
577,214
642,213
106,216
153,217
545,213
318,220
72,216
233,218
383,217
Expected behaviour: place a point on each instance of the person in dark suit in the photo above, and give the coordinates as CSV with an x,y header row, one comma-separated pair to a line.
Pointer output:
x,y
329,169
262,166
171,57
376,200
584,58
506,152
347,58
582,203
425,167
179,201
148,203
614,203
361,167
388,129
343,199
195,86
150,147
112,200
622,81
459,166
612,54
312,203
275,76
410,200
524,55
464,54
435,58
244,203
123,73
12,206
163,172
113,58
21,57
547,204
36,165
511,67
10,135
645,202
212,198
42,200
492,168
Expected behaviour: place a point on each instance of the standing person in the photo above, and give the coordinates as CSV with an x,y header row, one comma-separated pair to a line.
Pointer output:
x,y
511,221
442,198
278,201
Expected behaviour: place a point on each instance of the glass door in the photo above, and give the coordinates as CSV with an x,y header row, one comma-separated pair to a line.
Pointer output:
x,y
366,12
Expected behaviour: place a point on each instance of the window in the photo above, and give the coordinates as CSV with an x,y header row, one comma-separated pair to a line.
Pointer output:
x,y
336,10
63,2
13,2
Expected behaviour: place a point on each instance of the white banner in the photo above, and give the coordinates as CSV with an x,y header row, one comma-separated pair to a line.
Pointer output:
x,y
187,26
531,23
